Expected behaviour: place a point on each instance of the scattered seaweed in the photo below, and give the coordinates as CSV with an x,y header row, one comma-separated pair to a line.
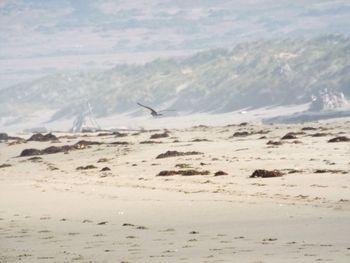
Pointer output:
x,y
190,172
159,135
266,174
150,142
38,137
5,165
87,167
340,139
175,154
220,173
289,136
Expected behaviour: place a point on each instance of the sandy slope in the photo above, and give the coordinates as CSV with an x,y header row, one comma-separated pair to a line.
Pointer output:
x,y
52,212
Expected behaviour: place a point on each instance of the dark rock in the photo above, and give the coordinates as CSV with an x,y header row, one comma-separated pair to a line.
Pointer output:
x,y
87,167
104,169
266,173
289,136
219,173
159,135
38,137
340,139
30,152
175,153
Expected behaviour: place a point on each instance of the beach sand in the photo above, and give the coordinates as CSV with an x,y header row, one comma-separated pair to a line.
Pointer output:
x,y
50,211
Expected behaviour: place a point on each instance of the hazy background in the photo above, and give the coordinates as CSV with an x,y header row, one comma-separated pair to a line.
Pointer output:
x,y
57,54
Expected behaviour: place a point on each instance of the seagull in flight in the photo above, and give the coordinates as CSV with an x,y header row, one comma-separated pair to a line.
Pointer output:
x,y
153,112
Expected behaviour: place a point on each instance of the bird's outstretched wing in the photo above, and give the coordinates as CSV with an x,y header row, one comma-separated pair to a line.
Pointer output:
x,y
153,112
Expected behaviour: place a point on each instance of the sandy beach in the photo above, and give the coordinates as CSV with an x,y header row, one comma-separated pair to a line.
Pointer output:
x,y
186,196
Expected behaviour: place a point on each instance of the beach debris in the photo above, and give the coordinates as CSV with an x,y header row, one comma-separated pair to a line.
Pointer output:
x,y
189,172
159,135
220,173
116,134
308,129
56,149
150,142
141,227
176,153
5,165
119,134
119,143
319,134
35,159
87,167
38,137
183,165
200,140
321,171
128,224
84,144
240,134
289,136
340,139
30,152
274,143
266,174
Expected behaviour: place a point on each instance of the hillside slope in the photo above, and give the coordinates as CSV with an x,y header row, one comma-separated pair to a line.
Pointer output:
x,y
256,74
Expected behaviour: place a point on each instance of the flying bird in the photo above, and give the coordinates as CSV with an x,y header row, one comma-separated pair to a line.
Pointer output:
x,y
153,112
